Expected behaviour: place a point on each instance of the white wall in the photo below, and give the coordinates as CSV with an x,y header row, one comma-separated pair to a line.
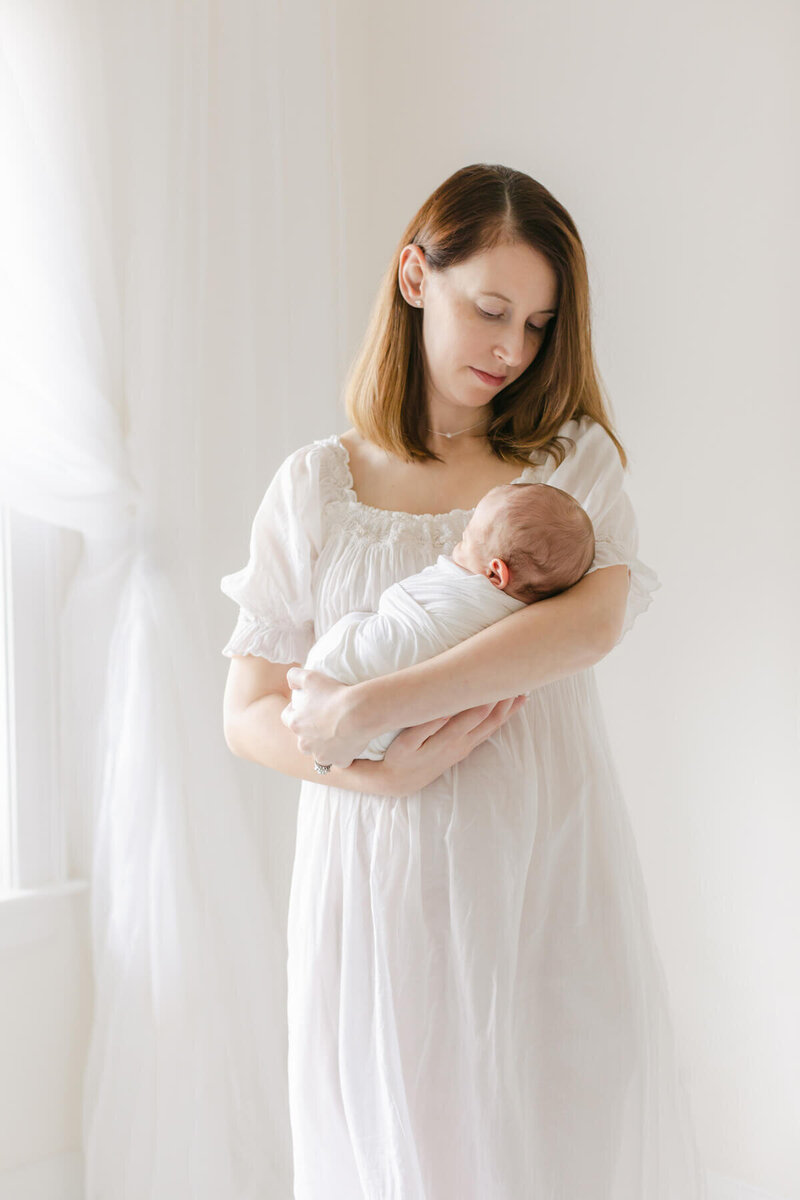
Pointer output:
x,y
665,130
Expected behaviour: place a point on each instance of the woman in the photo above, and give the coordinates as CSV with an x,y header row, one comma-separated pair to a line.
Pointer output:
x,y
476,1006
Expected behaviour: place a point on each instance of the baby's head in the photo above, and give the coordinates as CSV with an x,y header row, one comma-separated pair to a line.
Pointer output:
x,y
530,539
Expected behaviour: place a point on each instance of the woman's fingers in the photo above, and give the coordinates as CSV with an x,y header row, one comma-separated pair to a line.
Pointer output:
x,y
471,718
473,724
420,753
504,709
481,721
415,735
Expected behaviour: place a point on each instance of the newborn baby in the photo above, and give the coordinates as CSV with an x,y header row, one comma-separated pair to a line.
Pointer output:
x,y
523,543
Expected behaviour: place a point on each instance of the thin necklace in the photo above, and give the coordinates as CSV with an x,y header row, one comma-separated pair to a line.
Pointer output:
x,y
452,435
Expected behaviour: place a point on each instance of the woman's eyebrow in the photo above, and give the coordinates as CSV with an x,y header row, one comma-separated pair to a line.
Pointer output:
x,y
539,312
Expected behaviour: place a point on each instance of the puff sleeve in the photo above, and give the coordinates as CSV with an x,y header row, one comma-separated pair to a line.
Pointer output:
x,y
274,589
594,475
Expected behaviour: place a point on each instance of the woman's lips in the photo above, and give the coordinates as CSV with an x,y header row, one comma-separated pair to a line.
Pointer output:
x,y
494,380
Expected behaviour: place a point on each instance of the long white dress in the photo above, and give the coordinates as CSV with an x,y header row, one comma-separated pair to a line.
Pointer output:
x,y
476,1005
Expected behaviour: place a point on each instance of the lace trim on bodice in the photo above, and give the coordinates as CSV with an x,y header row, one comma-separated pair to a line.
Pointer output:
x,y
349,513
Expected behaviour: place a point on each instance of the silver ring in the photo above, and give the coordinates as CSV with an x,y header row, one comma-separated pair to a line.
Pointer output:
x,y
322,768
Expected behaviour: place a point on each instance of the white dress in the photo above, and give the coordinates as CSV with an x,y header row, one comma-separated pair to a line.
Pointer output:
x,y
417,617
476,1006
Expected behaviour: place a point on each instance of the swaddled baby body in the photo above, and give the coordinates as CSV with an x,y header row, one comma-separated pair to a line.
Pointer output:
x,y
523,543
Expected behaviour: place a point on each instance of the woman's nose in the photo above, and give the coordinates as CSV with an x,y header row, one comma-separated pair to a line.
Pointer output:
x,y
511,347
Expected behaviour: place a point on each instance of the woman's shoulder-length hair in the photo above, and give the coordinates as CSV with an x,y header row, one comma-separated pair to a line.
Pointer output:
x,y
478,207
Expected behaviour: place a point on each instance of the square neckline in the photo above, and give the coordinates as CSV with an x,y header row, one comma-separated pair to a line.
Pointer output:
x,y
349,490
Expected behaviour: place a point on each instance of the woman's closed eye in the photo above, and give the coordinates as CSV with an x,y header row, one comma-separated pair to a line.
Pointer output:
x,y
495,316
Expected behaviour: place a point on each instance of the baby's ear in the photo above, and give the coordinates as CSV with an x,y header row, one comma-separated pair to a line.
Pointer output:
x,y
498,573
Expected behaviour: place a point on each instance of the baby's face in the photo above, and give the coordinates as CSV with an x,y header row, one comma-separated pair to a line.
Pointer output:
x,y
469,552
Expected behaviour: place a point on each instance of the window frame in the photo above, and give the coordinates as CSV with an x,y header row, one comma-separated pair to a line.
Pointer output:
x,y
33,848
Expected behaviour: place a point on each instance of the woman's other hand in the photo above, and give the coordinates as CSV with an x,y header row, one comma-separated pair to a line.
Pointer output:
x,y
321,705
416,756
421,753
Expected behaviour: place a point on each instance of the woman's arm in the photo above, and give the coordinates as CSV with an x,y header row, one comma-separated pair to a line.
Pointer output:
x,y
536,645
259,735
414,759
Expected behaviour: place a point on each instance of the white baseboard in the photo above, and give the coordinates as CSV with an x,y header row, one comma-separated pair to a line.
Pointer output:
x,y
58,1177
720,1187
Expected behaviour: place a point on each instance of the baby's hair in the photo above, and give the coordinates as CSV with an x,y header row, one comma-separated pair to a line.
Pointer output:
x,y
545,538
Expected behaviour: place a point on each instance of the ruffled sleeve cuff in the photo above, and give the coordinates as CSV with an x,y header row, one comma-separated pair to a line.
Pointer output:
x,y
280,640
643,582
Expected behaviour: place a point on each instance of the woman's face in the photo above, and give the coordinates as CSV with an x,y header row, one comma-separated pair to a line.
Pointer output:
x,y
488,314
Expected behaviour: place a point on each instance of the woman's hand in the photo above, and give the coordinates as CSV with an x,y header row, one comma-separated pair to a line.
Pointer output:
x,y
321,706
421,753
417,756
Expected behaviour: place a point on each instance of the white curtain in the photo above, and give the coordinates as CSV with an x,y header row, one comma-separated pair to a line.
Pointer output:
x,y
145,149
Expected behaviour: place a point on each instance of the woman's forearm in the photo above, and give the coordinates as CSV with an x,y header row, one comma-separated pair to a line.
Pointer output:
x,y
259,735
534,646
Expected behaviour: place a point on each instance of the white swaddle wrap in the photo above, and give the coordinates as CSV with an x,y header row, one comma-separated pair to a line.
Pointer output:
x,y
418,617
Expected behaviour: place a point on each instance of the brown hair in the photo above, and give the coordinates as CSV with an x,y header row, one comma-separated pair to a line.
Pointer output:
x,y
545,538
479,207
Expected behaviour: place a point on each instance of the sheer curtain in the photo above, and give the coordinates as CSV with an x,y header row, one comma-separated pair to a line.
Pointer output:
x,y
146,268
